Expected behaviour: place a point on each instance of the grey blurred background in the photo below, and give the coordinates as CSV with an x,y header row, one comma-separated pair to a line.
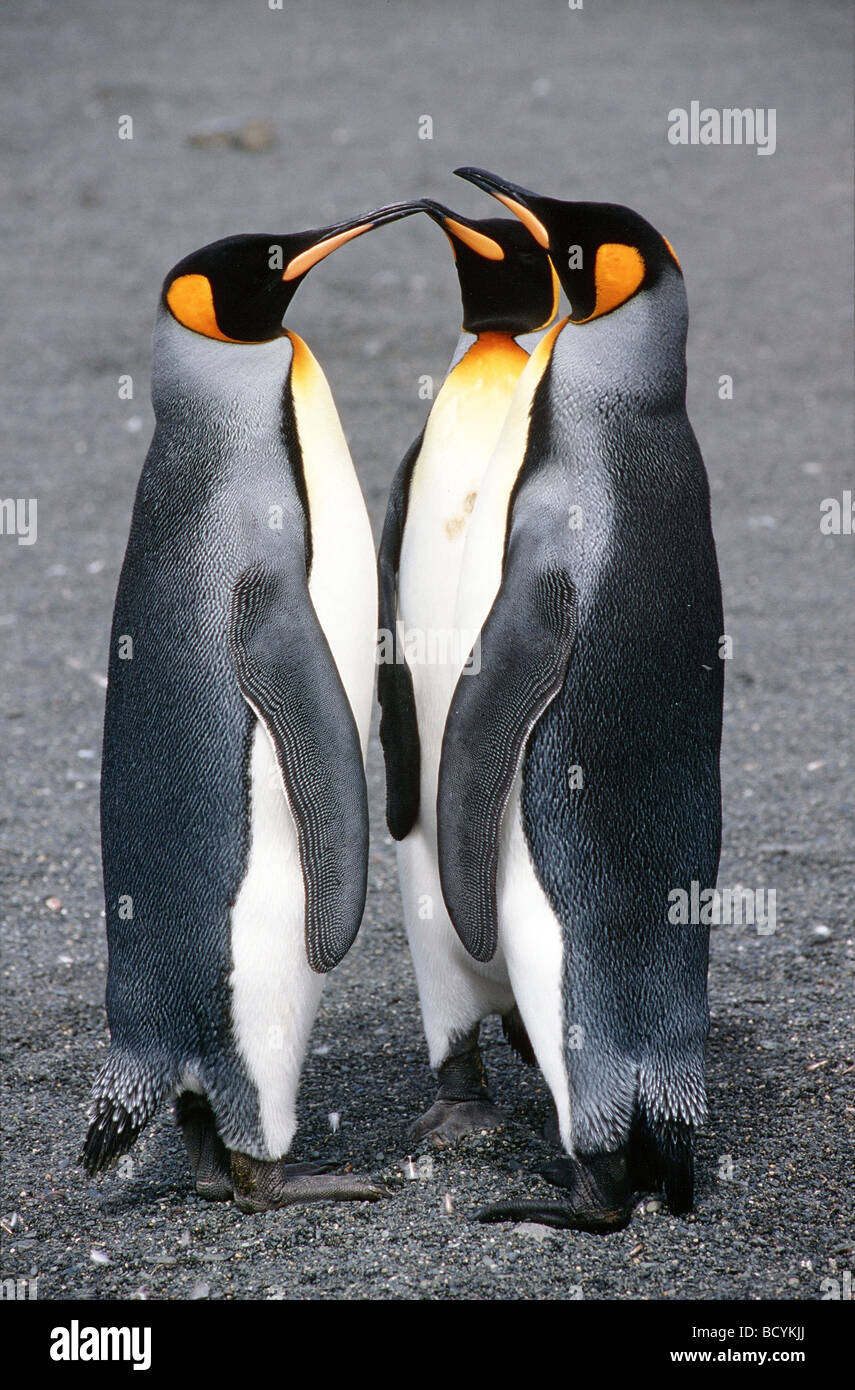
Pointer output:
x,y
251,119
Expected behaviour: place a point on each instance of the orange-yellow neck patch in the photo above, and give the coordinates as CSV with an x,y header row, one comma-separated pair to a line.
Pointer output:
x,y
491,361
673,253
191,301
556,298
304,365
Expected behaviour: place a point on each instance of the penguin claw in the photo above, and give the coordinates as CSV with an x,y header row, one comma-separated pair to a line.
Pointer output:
x,y
260,1186
449,1120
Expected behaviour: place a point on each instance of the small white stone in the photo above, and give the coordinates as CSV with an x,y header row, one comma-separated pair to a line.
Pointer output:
x,y
533,1230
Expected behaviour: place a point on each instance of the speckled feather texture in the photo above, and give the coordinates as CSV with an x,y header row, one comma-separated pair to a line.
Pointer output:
x,y
213,633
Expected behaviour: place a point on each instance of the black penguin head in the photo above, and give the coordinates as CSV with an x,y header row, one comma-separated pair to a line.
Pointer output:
x,y
237,290
603,254
507,284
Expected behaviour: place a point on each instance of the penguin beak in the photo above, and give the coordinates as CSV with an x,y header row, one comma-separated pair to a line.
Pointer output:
x,y
328,239
458,228
518,200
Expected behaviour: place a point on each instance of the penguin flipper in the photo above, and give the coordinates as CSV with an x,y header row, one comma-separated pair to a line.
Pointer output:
x,y
288,675
525,647
399,730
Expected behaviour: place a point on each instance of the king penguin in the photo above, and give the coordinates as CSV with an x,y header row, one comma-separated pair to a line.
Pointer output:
x,y
579,775
233,798
508,288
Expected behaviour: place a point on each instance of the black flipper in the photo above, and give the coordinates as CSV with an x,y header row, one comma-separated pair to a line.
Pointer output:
x,y
526,643
288,675
399,730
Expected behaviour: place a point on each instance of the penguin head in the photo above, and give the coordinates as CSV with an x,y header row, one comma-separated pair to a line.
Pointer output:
x,y
237,290
604,254
507,284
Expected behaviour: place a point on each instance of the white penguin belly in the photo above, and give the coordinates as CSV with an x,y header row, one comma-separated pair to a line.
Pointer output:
x,y
343,580
455,991
532,942
275,993
530,935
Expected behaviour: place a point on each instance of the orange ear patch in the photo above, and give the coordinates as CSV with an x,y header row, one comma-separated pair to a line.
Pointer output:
x,y
191,301
476,241
618,272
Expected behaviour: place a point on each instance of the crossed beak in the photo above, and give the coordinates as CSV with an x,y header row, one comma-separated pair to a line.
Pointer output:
x,y
330,238
517,200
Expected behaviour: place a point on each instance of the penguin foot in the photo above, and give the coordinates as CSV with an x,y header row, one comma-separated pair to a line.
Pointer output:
x,y
209,1157
600,1196
557,1215
448,1120
262,1186
463,1105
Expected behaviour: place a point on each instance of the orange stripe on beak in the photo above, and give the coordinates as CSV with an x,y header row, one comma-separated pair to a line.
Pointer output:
x,y
476,241
528,219
307,259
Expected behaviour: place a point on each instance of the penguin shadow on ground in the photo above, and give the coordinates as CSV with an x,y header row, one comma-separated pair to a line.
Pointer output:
x,y
355,1104
516,1149
742,1111
155,1170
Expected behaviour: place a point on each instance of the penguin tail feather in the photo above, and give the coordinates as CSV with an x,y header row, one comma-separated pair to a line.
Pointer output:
x,y
125,1096
662,1158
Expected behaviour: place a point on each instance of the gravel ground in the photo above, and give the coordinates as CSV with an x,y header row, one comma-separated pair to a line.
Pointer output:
x,y
574,103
